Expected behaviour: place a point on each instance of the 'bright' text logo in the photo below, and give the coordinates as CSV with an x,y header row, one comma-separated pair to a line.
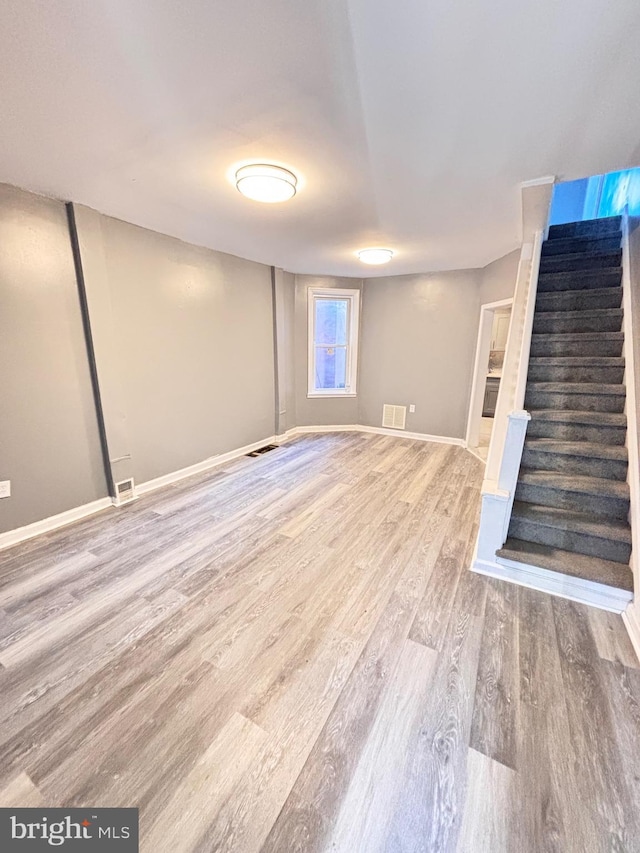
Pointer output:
x,y
54,833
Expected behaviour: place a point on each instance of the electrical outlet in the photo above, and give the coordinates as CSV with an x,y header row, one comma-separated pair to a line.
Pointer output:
x,y
5,488
412,408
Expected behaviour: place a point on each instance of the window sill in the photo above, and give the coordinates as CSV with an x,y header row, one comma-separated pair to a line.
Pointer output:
x,y
334,395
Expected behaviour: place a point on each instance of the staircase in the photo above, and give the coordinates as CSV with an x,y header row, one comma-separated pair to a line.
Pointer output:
x,y
571,507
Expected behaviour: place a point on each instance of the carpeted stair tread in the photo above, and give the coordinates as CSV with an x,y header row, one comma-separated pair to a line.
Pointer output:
x,y
569,337
617,390
578,360
555,323
576,368
577,322
613,255
572,416
572,529
580,261
570,300
595,569
612,272
582,239
605,225
575,484
574,521
582,455
578,448
577,343
586,235
578,425
584,314
585,243
571,280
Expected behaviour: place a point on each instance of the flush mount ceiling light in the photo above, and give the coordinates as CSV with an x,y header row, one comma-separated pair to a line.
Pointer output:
x,y
263,182
375,256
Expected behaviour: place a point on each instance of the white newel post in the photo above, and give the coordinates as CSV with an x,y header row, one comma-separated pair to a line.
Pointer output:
x,y
497,498
492,520
516,433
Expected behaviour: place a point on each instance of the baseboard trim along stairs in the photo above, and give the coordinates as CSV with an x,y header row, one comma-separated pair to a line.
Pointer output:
x,y
556,583
569,532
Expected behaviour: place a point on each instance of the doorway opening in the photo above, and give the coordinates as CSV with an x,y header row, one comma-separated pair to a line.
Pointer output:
x,y
493,331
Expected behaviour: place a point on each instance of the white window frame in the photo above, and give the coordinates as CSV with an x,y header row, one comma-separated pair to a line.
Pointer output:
x,y
353,325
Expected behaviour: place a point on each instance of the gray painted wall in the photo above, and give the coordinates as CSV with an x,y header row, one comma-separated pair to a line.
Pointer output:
x,y
499,278
317,412
418,342
49,441
195,348
191,352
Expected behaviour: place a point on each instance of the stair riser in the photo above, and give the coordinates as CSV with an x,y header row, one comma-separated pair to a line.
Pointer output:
x,y
566,325
576,245
574,263
578,543
544,346
587,228
613,403
579,300
601,506
609,469
598,280
549,373
576,432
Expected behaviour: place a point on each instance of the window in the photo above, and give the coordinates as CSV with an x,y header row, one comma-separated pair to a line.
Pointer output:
x,y
333,342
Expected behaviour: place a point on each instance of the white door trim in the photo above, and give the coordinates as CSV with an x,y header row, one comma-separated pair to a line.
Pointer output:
x,y
479,368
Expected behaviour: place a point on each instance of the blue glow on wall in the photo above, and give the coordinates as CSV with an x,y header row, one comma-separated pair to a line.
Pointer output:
x,y
596,197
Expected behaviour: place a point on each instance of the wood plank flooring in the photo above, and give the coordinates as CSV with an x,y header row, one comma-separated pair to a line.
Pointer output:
x,y
289,654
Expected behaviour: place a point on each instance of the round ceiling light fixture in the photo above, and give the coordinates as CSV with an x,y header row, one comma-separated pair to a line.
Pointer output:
x,y
375,256
266,183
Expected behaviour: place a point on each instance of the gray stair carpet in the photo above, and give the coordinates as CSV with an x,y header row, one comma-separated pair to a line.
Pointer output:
x,y
571,508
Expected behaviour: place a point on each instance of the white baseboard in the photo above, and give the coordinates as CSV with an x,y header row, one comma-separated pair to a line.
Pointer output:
x,y
416,436
37,528
555,583
20,534
305,430
631,619
398,433
199,467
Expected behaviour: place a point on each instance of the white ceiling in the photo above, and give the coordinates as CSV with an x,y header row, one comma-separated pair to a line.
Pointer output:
x,y
410,122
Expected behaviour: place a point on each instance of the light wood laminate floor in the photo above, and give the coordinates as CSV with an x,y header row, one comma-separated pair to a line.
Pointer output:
x,y
289,654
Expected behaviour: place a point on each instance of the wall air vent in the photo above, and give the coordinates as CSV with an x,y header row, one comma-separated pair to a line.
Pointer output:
x,y
394,417
125,492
